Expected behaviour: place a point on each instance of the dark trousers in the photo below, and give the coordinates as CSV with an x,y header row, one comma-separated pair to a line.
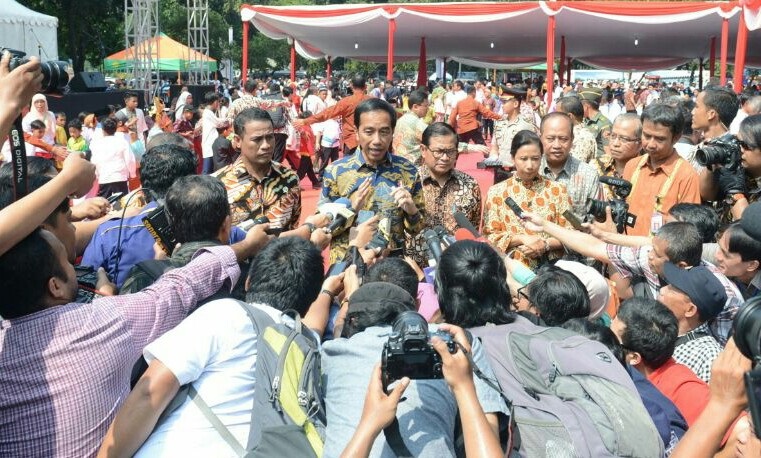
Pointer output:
x,y
107,189
208,165
488,127
277,154
474,135
327,155
306,168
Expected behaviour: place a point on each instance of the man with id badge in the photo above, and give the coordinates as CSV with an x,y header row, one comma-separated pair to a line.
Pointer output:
x,y
660,178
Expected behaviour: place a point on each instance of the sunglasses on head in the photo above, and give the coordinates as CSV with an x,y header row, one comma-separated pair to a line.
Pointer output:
x,y
743,145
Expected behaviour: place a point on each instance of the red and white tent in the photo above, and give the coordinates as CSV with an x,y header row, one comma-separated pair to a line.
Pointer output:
x,y
618,35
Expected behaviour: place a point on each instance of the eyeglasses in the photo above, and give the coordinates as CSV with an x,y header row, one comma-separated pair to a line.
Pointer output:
x,y
439,153
522,293
613,137
745,146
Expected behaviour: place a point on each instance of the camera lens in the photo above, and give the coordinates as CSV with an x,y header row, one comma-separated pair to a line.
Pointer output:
x,y
54,75
747,329
596,208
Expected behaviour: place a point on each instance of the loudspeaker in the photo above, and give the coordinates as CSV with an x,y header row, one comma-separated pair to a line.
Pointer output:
x,y
88,82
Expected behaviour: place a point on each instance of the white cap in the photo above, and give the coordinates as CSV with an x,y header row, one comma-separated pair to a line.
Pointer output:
x,y
594,282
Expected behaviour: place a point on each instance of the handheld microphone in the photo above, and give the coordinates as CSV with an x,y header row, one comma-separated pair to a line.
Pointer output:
x,y
434,246
446,238
339,212
249,223
464,223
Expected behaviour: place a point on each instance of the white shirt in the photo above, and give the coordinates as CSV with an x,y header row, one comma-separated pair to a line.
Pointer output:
x,y
209,124
331,133
455,98
734,127
113,160
314,104
142,127
215,349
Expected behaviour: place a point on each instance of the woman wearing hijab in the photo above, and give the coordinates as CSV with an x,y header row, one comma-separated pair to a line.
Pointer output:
x,y
186,98
39,111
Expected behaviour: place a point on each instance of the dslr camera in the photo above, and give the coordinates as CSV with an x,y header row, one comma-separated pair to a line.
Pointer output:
x,y
723,151
746,329
619,209
54,72
409,351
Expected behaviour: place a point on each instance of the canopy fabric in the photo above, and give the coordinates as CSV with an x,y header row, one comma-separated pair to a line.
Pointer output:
x,y
172,56
25,30
600,33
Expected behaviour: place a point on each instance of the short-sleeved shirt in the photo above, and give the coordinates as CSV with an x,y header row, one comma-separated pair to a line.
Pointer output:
x,y
697,349
215,350
504,132
678,383
542,196
580,180
343,177
460,193
408,134
427,416
632,262
606,166
277,196
645,198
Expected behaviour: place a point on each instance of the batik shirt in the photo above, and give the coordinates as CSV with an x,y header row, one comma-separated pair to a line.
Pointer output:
x,y
277,196
542,196
460,193
343,177
584,144
408,134
580,180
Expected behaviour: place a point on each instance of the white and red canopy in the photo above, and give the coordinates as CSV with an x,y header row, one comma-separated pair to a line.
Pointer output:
x,y
599,33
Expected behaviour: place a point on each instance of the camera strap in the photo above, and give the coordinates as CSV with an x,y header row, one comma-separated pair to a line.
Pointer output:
x,y
18,157
395,441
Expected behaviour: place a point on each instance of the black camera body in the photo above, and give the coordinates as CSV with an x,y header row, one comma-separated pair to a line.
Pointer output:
x,y
723,151
409,351
619,208
54,72
746,329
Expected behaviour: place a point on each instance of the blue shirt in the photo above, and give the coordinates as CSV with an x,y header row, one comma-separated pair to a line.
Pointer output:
x,y
135,245
669,422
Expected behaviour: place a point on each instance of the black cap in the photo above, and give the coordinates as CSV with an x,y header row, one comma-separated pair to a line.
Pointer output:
x,y
701,285
510,92
751,220
375,294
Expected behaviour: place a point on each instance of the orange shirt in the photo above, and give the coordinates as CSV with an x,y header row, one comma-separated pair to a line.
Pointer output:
x,y
345,110
468,109
651,183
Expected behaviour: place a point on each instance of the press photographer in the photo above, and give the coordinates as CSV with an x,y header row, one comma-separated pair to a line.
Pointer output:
x,y
724,180
619,208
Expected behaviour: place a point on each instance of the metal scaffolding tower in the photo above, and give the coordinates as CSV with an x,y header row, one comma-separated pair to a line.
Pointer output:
x,y
141,26
198,40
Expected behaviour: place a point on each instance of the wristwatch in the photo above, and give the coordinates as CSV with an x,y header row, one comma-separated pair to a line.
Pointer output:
x,y
311,227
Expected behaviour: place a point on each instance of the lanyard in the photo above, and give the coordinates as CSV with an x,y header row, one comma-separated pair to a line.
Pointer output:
x,y
664,188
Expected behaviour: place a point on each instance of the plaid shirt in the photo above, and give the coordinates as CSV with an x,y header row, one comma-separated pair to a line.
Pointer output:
x,y
633,262
697,349
66,369
580,179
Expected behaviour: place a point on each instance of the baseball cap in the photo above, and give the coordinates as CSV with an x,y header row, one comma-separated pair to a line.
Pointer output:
x,y
700,285
751,220
375,294
596,285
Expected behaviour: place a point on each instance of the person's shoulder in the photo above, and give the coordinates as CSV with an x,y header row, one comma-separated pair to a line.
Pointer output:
x,y
464,178
403,162
500,188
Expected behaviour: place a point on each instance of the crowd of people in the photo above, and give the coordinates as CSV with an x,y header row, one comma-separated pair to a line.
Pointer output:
x,y
165,295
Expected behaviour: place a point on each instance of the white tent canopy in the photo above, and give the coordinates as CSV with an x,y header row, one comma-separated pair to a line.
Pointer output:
x,y
25,30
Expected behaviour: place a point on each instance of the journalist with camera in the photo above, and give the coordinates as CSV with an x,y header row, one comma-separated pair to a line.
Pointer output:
x,y
619,209
381,320
731,167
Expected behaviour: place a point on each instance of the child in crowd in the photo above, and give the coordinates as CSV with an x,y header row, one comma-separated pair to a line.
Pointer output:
x,y
76,140
306,152
222,148
60,129
184,125
38,132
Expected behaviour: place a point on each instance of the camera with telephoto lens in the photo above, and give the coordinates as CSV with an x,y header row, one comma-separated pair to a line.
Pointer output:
x,y
54,75
723,151
409,351
619,209
746,329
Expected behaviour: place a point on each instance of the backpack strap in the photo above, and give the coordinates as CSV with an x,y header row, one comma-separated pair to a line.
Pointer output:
x,y
215,422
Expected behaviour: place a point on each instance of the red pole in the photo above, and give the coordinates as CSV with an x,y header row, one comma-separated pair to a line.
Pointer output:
x,y
549,78
293,62
422,71
740,49
568,70
700,74
390,60
329,70
561,69
724,45
712,58
244,70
